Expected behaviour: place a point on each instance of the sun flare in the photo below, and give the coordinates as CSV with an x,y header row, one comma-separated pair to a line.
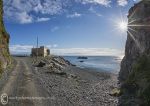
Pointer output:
x,y
123,26
120,25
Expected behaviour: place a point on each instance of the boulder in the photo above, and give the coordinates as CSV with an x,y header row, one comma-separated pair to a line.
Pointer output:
x,y
41,64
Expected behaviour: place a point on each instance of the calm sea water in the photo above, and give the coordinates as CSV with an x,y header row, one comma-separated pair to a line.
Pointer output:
x,y
105,63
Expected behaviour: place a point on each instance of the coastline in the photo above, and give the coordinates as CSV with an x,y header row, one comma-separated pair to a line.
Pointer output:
x,y
79,86
66,86
98,63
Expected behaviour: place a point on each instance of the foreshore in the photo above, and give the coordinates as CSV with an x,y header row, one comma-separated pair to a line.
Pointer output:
x,y
78,86
59,82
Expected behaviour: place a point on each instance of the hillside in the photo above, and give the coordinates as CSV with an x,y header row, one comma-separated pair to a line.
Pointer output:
x,y
4,42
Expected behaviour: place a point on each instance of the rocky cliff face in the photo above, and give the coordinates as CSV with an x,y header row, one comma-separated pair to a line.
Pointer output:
x,y
4,41
135,67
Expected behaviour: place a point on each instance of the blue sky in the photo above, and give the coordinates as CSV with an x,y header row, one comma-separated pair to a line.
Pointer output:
x,y
67,27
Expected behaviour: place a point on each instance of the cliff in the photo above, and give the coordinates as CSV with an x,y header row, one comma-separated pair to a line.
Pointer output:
x,y
4,42
134,75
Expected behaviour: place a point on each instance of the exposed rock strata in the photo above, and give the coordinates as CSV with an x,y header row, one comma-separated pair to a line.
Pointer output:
x,y
135,67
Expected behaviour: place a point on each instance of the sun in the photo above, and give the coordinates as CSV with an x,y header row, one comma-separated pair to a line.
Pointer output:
x,y
123,26
120,25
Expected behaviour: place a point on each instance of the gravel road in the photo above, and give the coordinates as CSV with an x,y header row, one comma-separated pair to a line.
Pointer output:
x,y
22,87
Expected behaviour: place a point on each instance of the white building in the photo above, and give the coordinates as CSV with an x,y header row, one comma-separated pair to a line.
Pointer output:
x,y
42,51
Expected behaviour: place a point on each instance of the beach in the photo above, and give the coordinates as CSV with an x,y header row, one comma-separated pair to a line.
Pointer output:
x,y
57,83
76,86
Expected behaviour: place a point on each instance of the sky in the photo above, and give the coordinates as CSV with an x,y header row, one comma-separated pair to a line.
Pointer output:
x,y
67,27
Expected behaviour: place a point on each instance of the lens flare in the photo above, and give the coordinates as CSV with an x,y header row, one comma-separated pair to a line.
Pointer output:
x,y
123,26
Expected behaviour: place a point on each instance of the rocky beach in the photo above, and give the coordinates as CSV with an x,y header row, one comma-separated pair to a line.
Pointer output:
x,y
67,84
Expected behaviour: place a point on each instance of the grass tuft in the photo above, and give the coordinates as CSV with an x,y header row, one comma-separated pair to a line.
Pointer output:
x,y
138,82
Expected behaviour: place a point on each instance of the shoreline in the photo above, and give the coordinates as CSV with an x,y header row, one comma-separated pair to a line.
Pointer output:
x,y
94,65
78,86
98,70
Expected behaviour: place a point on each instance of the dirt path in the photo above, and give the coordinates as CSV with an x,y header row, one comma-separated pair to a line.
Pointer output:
x,y
22,87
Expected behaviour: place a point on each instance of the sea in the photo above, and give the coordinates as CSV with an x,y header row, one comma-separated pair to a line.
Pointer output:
x,y
100,63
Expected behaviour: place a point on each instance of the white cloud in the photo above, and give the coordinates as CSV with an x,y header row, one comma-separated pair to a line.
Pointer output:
x,y
49,46
21,10
24,18
20,49
137,0
87,51
122,2
42,19
74,15
100,2
91,9
54,29
55,45
52,46
27,11
26,49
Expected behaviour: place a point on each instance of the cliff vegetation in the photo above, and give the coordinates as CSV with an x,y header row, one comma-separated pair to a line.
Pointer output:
x,y
137,87
4,42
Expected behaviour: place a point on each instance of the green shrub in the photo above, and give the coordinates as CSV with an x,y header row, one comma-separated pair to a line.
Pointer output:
x,y
139,80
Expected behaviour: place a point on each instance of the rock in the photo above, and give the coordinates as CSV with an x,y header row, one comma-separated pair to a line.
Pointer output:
x,y
51,62
73,76
115,92
138,43
82,57
5,59
57,72
41,64
135,69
